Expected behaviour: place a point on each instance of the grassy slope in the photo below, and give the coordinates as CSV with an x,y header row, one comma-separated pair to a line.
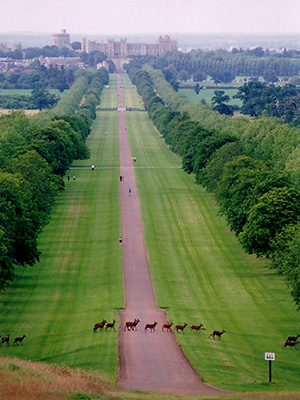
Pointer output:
x,y
201,274
79,278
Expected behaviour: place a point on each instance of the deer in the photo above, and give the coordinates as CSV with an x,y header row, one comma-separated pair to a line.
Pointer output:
x,y
217,333
180,327
167,327
151,327
110,326
290,344
100,325
130,326
292,338
19,339
196,327
5,339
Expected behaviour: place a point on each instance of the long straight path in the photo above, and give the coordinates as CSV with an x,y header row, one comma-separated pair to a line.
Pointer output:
x,y
148,361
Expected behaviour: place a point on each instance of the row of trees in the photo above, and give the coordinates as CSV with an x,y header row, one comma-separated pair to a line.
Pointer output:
x,y
224,66
253,169
35,154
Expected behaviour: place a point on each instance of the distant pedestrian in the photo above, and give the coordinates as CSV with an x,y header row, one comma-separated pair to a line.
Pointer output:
x,y
120,241
134,159
93,167
68,177
74,177
129,192
121,178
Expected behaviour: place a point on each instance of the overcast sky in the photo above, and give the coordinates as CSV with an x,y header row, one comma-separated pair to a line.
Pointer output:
x,y
150,16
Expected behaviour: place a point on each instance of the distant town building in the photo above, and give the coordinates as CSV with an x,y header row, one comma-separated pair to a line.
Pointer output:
x,y
3,46
17,46
60,39
61,61
123,49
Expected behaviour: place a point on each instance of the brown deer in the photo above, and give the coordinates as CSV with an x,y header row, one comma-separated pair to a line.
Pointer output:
x,y
131,326
217,333
196,327
292,338
180,327
111,325
167,327
19,339
5,339
290,344
100,325
151,327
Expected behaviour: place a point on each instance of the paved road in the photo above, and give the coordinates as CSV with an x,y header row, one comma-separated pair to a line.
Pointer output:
x,y
148,361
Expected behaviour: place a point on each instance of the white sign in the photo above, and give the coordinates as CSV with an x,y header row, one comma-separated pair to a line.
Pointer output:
x,y
270,356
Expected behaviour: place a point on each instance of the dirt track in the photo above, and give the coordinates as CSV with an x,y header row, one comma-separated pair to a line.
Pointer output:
x,y
148,361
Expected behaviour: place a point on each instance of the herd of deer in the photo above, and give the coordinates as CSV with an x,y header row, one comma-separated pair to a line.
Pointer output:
x,y
132,326
17,340
291,341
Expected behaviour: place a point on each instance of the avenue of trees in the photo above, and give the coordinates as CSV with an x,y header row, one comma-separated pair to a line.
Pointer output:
x,y
35,153
251,166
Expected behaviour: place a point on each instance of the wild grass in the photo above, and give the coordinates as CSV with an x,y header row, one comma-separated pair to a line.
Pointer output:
x,y
28,380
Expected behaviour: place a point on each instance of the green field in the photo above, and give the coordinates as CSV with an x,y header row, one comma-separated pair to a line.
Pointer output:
x,y
199,271
208,94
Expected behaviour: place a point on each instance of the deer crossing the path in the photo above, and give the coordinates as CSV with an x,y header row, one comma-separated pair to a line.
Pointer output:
x,y
151,327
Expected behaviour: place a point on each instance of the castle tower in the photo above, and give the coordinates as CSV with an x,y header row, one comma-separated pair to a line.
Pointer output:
x,y
60,39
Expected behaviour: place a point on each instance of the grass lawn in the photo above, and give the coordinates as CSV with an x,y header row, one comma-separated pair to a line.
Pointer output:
x,y
78,280
201,274
208,94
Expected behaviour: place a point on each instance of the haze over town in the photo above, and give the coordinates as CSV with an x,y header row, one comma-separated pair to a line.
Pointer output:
x,y
125,17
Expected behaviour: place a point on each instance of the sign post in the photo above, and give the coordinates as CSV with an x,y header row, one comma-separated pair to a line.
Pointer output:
x,y
270,357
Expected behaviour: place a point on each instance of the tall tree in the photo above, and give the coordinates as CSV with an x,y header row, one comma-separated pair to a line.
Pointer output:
x,y
275,210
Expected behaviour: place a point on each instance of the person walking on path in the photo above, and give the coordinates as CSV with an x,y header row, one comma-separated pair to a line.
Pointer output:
x,y
129,192
120,241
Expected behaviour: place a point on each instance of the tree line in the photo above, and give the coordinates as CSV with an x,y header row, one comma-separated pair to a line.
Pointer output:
x,y
35,153
224,66
54,77
251,166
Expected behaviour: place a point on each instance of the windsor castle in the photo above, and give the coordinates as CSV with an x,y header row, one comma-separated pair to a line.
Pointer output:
x,y
122,48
